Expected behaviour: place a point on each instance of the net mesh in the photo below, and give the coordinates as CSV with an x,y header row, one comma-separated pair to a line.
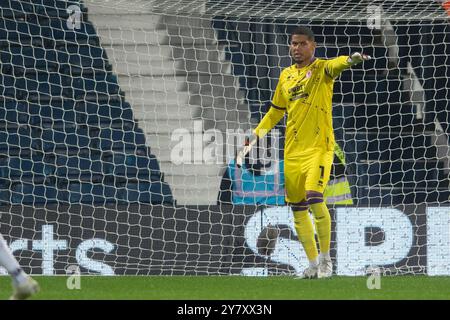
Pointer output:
x,y
120,122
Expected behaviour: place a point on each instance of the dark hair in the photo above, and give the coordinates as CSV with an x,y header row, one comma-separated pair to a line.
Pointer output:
x,y
304,31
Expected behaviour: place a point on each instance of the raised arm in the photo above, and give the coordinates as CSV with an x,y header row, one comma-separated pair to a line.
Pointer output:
x,y
335,66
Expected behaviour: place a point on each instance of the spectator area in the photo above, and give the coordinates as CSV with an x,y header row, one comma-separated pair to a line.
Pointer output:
x,y
67,133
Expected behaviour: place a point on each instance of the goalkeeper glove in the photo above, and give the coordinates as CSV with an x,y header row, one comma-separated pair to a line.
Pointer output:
x,y
249,143
357,57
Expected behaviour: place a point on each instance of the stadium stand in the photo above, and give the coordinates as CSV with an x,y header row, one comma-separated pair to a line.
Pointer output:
x,y
67,135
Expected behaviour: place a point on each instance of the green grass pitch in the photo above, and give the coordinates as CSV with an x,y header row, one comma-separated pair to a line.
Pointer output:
x,y
235,288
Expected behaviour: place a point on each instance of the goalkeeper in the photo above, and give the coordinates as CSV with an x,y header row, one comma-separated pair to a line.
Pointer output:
x,y
304,91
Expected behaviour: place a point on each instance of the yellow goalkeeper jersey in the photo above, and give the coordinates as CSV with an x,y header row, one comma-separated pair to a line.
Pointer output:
x,y
305,94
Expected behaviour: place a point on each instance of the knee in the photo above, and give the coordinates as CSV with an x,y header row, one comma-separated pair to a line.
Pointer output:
x,y
313,197
301,216
299,206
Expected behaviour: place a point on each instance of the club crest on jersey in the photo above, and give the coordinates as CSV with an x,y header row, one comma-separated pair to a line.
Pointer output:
x,y
308,74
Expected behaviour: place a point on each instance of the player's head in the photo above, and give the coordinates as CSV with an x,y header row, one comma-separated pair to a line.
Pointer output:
x,y
302,45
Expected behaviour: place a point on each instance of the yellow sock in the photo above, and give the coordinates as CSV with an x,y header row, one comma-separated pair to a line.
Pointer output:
x,y
305,231
322,220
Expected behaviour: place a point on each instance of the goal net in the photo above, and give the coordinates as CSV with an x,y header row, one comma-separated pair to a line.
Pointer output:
x,y
120,121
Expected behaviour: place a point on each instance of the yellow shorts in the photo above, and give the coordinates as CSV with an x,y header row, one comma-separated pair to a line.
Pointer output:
x,y
309,172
